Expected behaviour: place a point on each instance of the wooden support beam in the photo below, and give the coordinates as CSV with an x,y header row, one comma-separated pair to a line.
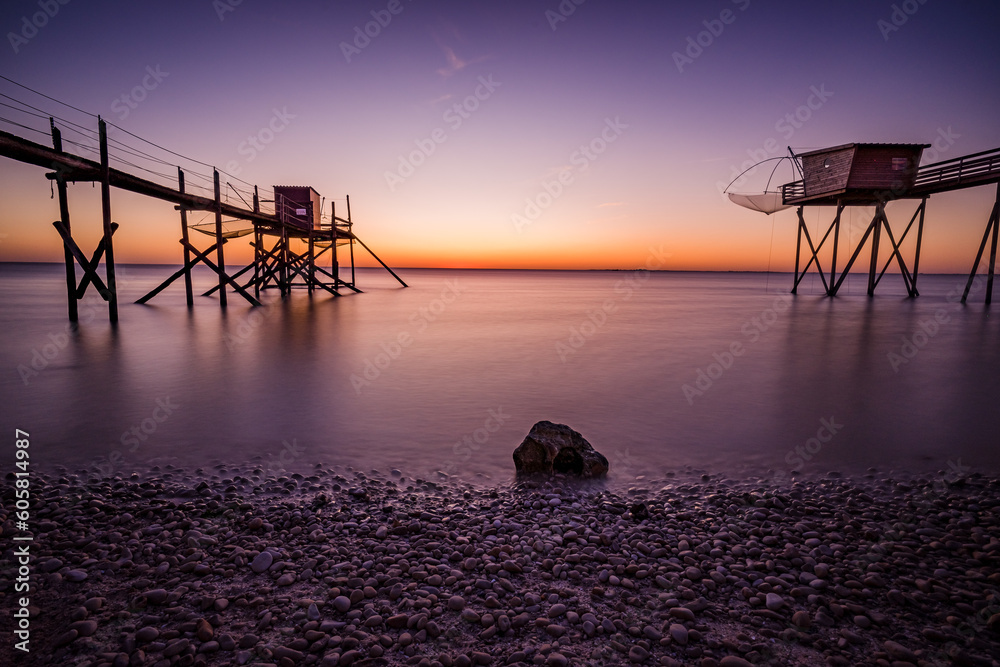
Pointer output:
x,y
815,256
234,277
873,266
90,270
854,257
220,255
907,280
384,265
992,228
64,215
185,270
334,266
993,261
920,236
89,266
109,252
836,240
798,249
350,230
218,270
188,288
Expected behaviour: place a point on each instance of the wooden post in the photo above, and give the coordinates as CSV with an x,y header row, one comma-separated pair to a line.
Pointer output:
x,y
334,266
879,218
220,256
188,292
109,252
993,249
312,261
798,248
350,230
836,239
920,236
258,241
64,215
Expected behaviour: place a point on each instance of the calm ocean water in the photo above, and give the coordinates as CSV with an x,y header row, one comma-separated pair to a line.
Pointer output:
x,y
722,372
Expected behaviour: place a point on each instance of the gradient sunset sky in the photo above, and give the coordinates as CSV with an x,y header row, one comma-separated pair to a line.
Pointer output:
x,y
672,98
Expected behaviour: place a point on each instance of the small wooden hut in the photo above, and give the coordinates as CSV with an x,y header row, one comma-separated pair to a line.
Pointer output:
x,y
857,173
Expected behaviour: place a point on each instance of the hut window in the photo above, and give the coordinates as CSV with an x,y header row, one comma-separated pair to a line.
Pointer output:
x,y
827,163
900,163
300,211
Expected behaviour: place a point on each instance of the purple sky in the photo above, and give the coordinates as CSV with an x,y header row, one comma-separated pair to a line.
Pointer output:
x,y
457,128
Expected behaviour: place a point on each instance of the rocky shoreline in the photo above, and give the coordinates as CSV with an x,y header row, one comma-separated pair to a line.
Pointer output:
x,y
231,566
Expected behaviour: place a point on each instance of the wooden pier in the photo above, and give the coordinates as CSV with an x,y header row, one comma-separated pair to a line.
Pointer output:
x,y
873,175
278,263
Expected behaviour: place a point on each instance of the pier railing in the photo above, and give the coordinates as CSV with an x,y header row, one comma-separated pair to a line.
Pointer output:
x,y
974,169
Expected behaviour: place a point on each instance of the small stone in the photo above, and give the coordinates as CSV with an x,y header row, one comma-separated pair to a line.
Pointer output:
x,y
555,659
147,634
204,630
176,647
84,628
555,630
312,613
281,652
286,579
75,576
156,596
66,637
734,661
50,565
773,601
897,651
342,604
638,654
381,533
679,633
262,562
557,610
683,613
801,619
349,657
456,603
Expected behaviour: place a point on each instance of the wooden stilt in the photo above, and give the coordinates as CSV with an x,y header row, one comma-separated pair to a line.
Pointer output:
x,y
312,261
64,216
991,227
920,237
873,267
258,242
854,257
188,289
334,267
350,230
109,251
219,241
836,239
798,251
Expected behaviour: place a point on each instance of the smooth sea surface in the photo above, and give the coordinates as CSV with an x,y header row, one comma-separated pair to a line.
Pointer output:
x,y
451,373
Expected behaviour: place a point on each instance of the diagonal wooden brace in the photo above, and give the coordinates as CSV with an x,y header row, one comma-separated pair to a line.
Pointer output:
x,y
186,269
89,266
222,274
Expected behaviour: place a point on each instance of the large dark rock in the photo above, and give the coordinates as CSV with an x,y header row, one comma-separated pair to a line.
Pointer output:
x,y
556,448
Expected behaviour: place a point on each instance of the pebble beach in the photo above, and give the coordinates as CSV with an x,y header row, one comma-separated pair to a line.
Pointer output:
x,y
233,565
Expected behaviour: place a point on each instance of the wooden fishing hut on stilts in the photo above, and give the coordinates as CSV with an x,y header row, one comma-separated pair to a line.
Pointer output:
x,y
279,261
872,175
